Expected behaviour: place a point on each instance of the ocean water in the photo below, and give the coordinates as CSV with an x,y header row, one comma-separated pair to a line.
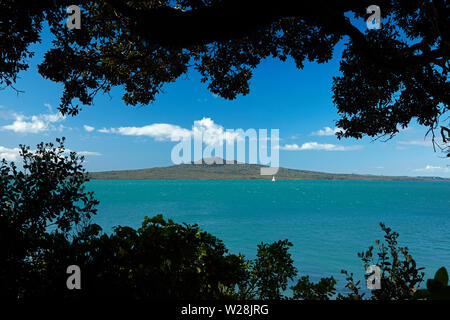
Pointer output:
x,y
328,222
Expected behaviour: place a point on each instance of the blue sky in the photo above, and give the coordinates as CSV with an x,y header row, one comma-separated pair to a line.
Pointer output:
x,y
297,102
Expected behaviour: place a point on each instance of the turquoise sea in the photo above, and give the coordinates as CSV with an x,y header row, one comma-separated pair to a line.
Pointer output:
x,y
328,222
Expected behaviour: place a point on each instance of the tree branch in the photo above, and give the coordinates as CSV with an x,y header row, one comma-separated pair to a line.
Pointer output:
x,y
226,20
235,19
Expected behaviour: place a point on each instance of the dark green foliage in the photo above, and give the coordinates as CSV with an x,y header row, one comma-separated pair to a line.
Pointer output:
x,y
47,193
437,288
307,290
160,260
400,276
165,260
352,286
20,26
273,269
389,77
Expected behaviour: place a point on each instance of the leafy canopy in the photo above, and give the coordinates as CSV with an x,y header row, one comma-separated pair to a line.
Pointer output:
x,y
389,77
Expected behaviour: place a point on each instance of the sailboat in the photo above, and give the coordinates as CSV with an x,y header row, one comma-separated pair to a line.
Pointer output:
x,y
273,178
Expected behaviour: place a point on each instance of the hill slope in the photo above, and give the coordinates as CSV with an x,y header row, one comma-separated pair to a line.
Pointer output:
x,y
235,171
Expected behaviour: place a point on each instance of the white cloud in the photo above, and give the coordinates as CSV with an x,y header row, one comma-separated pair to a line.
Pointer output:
x,y
35,124
13,154
421,143
318,146
88,153
82,153
88,128
429,168
327,131
206,128
158,131
212,132
9,154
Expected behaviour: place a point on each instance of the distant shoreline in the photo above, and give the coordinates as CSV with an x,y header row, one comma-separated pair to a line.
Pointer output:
x,y
406,180
240,171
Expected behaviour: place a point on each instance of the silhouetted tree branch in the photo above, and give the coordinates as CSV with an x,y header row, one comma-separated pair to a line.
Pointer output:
x,y
388,77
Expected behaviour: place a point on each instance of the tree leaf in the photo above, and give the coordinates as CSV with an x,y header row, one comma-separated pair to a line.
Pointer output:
x,y
442,276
